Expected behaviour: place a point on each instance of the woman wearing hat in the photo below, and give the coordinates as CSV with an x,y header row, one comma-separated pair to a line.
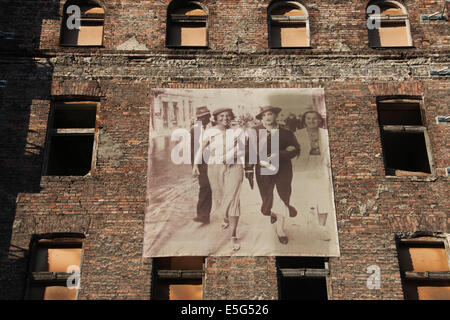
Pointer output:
x,y
225,177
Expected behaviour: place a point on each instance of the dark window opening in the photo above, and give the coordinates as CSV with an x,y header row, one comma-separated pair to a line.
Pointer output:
x,y
302,278
405,151
74,115
399,114
303,289
404,137
70,155
72,139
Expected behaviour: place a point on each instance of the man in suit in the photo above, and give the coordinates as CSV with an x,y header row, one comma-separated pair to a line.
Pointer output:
x,y
282,179
204,194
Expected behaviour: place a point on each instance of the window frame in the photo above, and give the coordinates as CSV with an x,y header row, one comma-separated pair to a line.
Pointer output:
x,y
51,132
288,20
64,21
302,273
55,240
176,276
424,276
176,19
405,129
390,18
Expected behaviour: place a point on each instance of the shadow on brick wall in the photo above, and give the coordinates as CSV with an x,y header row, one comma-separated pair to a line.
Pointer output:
x,y
25,85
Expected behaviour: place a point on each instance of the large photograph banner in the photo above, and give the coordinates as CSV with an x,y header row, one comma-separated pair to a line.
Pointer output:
x,y
239,172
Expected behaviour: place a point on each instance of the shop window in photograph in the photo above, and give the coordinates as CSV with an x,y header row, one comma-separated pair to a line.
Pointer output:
x,y
404,137
393,25
288,25
424,265
72,138
53,259
178,278
90,31
187,25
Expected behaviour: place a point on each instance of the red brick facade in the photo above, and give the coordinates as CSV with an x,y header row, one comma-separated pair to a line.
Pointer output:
x,y
108,205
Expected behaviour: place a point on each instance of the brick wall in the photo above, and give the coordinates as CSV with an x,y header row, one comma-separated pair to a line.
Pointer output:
x,y
108,205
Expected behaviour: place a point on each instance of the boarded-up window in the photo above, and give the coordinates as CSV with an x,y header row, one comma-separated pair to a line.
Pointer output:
x,y
425,269
178,278
53,261
187,26
72,138
393,30
90,32
288,26
404,137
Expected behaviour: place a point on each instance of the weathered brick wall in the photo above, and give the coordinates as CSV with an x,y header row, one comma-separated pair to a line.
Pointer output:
x,y
108,206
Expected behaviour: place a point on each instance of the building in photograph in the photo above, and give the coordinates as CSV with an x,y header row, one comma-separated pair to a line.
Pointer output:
x,y
91,91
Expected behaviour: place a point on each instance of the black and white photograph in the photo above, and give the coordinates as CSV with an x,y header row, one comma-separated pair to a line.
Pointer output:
x,y
250,203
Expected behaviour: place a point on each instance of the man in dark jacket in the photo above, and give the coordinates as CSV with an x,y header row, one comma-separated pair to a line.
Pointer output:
x,y
282,179
204,194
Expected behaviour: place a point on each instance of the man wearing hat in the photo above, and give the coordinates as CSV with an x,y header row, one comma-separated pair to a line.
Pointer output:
x,y
282,179
204,194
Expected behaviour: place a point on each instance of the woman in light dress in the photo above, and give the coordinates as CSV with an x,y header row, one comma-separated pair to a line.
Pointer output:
x,y
313,164
313,144
225,177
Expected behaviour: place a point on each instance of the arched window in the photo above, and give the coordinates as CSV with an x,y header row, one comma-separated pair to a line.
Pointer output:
x,y
389,25
186,25
90,30
288,25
